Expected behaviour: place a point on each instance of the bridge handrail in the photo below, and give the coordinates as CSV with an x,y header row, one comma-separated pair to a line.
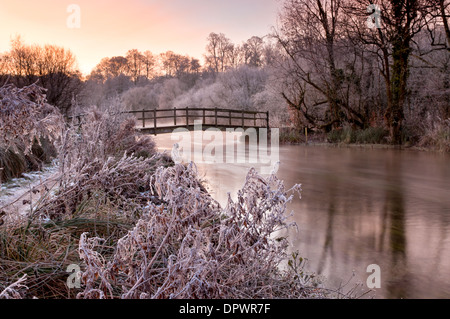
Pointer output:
x,y
189,113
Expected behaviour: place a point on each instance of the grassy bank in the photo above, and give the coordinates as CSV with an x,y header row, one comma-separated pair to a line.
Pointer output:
x,y
373,137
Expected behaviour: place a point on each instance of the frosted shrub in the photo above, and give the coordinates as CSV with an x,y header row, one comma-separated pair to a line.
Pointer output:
x,y
28,129
105,173
187,246
104,156
15,290
25,117
139,98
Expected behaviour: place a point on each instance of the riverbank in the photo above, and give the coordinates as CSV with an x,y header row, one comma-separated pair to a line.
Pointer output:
x,y
291,136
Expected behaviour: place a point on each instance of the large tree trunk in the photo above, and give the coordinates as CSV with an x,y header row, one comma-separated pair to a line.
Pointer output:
x,y
403,14
399,77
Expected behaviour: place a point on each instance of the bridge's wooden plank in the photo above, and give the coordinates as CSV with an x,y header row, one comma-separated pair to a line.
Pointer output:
x,y
171,129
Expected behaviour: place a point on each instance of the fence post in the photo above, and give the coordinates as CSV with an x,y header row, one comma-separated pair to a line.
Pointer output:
x,y
204,117
229,115
143,118
187,118
175,116
254,119
267,120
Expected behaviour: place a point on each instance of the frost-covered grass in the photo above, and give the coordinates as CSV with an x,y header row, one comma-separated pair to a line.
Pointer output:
x,y
139,226
187,246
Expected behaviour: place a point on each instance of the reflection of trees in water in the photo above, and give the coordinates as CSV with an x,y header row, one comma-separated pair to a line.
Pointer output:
x,y
397,278
439,258
328,244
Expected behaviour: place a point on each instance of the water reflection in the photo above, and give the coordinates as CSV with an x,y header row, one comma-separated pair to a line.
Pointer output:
x,y
394,215
362,207
327,251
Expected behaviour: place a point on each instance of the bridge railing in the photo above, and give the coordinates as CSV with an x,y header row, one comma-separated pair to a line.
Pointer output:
x,y
179,117
208,116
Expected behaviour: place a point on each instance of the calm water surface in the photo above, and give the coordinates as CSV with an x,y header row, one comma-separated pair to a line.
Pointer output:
x,y
361,207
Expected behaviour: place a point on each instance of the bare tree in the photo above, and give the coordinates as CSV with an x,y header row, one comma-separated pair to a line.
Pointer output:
x,y
253,50
442,13
312,41
149,64
174,65
219,52
391,41
110,68
52,67
135,64
194,66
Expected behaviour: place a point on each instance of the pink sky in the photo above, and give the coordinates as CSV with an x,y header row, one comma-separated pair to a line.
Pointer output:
x,y
112,27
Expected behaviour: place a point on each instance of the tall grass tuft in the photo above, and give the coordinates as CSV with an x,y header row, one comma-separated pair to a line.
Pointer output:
x,y
437,135
347,135
28,129
291,135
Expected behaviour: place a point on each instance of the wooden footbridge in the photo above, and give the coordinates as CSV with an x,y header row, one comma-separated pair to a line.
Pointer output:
x,y
160,121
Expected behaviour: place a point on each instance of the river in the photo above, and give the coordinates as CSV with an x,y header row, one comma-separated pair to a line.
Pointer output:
x,y
359,207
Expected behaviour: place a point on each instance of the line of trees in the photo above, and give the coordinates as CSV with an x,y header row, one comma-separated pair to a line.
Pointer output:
x,y
51,67
221,55
323,67
323,63
145,66
337,70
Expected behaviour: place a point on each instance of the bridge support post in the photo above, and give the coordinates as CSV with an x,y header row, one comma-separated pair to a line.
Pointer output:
x,y
215,116
187,118
175,116
154,120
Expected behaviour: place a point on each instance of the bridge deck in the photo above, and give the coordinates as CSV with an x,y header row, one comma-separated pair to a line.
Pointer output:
x,y
190,127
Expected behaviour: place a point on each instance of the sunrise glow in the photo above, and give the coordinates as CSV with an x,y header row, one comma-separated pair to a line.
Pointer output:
x,y
110,28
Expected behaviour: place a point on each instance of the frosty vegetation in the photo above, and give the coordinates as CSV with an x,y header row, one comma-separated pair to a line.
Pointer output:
x,y
140,226
28,128
187,246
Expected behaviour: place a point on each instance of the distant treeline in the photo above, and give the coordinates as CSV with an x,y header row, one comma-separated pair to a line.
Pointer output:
x,y
328,65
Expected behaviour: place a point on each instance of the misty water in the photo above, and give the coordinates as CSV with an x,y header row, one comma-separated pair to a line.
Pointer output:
x,y
359,207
